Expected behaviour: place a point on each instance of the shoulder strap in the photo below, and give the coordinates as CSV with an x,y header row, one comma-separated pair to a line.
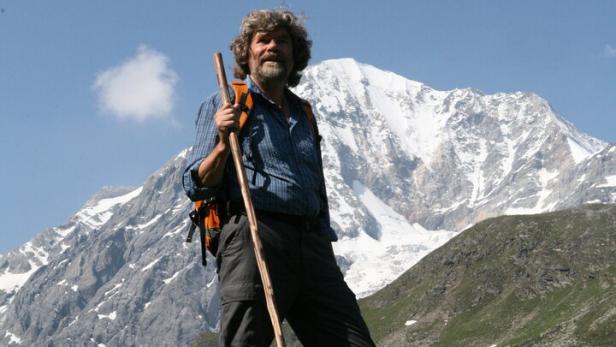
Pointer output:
x,y
242,93
244,99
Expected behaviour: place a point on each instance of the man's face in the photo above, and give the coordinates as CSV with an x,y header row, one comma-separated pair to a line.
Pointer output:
x,y
271,56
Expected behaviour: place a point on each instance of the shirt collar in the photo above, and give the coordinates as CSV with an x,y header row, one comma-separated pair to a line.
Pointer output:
x,y
254,88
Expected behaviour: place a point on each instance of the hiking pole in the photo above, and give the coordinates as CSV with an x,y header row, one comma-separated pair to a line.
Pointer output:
x,y
250,211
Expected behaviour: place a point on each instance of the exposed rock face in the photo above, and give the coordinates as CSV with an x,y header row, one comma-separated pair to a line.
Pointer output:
x,y
406,167
120,274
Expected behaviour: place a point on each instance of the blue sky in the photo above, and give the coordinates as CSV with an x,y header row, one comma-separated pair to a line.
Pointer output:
x,y
67,127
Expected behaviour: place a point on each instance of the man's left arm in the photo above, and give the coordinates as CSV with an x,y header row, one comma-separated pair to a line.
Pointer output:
x,y
325,227
324,220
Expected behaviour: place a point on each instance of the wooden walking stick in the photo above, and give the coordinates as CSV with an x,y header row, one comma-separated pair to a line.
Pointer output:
x,y
250,211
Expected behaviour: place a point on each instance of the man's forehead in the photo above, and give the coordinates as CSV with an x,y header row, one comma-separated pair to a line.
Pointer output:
x,y
278,32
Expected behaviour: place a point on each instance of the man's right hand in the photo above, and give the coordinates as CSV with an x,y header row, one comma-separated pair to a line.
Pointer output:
x,y
212,167
227,120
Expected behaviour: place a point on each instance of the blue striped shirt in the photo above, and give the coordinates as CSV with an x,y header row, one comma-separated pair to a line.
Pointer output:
x,y
282,160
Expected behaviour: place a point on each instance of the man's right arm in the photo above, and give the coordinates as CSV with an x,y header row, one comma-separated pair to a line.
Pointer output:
x,y
206,163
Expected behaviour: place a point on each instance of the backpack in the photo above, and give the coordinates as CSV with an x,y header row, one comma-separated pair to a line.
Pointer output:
x,y
206,214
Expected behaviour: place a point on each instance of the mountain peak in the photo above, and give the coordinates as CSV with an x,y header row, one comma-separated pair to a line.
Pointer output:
x,y
354,72
424,119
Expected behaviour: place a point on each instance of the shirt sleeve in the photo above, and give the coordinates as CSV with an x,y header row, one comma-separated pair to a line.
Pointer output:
x,y
205,141
324,220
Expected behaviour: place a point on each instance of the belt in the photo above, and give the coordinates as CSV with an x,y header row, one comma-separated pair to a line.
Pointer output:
x,y
234,208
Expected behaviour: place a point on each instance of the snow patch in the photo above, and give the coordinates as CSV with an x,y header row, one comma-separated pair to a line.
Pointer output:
x,y
183,153
99,214
212,281
116,287
147,267
375,263
578,152
39,253
419,131
179,229
610,182
111,316
182,205
146,224
515,211
345,134
13,338
11,282
168,280
74,321
545,177
98,307
475,175
582,178
97,344
451,207
64,232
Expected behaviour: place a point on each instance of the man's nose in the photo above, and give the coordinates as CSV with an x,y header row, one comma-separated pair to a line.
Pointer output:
x,y
272,45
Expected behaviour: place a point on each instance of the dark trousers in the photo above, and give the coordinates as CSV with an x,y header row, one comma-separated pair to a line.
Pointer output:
x,y
309,288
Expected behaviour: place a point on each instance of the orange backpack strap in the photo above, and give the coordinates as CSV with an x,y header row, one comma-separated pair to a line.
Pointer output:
x,y
244,99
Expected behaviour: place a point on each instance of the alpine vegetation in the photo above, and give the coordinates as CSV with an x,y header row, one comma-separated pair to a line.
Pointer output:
x,y
534,280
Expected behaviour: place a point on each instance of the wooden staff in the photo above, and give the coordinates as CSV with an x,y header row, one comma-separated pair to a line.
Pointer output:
x,y
250,211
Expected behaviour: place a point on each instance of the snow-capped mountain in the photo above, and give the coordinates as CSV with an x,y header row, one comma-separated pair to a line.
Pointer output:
x,y
407,167
444,158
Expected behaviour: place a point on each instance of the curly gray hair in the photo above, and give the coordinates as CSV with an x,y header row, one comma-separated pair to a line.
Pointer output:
x,y
270,20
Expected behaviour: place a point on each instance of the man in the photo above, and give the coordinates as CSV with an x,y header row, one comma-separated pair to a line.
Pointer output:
x,y
282,159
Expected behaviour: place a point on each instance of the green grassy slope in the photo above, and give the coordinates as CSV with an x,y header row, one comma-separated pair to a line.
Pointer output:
x,y
541,280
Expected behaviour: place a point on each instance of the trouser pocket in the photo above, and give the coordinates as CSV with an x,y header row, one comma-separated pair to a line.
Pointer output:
x,y
237,267
228,237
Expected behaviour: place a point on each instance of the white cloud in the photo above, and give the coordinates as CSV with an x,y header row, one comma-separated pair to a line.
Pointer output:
x,y
609,51
140,88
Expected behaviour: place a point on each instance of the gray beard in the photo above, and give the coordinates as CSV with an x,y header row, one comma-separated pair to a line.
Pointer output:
x,y
271,73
